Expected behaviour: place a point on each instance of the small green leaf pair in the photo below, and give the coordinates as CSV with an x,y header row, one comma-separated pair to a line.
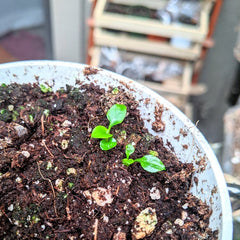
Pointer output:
x,y
149,163
115,115
45,89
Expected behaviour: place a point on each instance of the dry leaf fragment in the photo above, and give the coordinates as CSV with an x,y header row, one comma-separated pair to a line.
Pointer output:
x,y
102,196
144,224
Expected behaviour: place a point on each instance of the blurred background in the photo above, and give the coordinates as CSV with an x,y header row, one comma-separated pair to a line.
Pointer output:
x,y
186,50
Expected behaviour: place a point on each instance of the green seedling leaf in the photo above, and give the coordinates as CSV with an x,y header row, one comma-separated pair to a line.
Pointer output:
x,y
100,132
35,219
45,89
129,150
31,118
127,162
46,112
3,85
2,111
116,114
151,163
107,144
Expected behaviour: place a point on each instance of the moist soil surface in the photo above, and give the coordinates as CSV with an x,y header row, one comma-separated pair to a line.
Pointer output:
x,y
56,182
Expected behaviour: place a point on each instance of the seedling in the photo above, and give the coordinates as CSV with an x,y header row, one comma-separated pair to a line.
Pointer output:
x,y
2,111
115,91
31,118
45,89
149,163
115,115
46,112
70,185
15,115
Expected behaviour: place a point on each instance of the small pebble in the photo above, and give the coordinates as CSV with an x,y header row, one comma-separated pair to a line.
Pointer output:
x,y
71,171
155,193
18,180
185,206
10,208
179,222
169,231
59,184
66,123
25,154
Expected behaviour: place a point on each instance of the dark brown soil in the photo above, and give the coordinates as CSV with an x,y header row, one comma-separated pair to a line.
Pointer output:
x,y
56,183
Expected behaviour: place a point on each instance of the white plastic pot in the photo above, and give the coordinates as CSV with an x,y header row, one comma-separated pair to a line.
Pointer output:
x,y
211,185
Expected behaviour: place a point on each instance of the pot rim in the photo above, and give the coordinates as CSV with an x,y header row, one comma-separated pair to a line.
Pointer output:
x,y
227,224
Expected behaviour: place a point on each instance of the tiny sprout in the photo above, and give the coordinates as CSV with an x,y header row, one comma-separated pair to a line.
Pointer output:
x,y
149,163
15,114
35,219
31,119
2,111
70,185
3,85
115,115
49,165
115,91
46,112
45,89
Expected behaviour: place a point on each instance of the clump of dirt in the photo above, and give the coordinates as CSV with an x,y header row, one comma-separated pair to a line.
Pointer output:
x,y
56,182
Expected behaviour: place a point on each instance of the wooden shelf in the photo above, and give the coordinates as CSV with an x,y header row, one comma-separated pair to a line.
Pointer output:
x,y
125,41
152,26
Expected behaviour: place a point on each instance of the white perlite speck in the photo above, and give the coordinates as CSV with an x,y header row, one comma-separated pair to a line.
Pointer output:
x,y
66,123
169,231
105,218
185,206
25,154
184,215
155,193
18,180
179,222
10,208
